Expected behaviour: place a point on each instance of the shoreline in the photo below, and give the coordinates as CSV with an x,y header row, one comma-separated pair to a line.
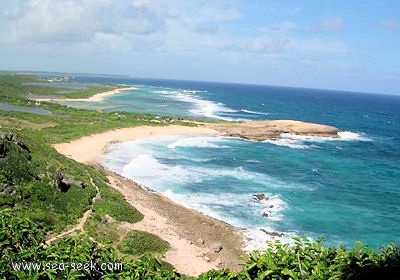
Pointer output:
x,y
198,242
168,219
98,97
88,148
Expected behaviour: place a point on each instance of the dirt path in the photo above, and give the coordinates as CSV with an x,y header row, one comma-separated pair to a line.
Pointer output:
x,y
81,221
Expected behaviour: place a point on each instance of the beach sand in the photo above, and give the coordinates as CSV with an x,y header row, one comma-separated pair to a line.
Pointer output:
x,y
94,98
88,148
198,242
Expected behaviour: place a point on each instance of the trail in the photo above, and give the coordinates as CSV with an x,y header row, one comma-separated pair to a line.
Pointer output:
x,y
81,221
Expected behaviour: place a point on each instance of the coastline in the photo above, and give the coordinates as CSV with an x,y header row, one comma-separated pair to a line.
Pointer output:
x,y
98,97
192,235
198,242
88,148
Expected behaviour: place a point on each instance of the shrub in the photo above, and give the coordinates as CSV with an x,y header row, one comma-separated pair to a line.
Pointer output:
x,y
140,242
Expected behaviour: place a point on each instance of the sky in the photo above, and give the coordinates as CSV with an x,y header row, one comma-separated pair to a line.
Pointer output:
x,y
342,45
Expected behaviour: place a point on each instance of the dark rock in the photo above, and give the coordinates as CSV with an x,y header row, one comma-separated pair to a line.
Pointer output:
x,y
273,233
219,262
216,247
2,149
107,219
71,181
10,137
200,241
8,190
63,181
58,182
260,196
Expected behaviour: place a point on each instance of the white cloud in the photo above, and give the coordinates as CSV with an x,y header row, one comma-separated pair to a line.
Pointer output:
x,y
224,39
267,45
390,23
332,23
140,3
207,28
218,11
71,21
317,46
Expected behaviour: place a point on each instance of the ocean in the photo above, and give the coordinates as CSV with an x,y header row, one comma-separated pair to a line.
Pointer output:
x,y
344,190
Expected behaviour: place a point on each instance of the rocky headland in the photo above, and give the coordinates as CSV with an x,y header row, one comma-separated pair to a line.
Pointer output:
x,y
272,129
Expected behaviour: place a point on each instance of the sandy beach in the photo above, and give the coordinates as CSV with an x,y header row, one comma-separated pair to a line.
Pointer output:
x,y
198,242
94,98
88,148
196,239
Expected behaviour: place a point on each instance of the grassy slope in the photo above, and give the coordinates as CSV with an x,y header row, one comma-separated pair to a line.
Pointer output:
x,y
30,179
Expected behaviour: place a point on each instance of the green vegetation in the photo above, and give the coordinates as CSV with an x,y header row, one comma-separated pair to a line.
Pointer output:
x,y
43,193
29,182
139,242
21,242
104,232
113,203
14,87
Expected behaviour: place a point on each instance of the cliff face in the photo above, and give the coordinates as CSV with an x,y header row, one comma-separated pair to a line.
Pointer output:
x,y
271,129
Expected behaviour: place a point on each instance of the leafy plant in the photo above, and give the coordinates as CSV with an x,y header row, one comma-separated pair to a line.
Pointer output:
x,y
140,242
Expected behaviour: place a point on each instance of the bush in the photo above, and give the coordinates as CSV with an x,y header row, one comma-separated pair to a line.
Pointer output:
x,y
311,260
140,242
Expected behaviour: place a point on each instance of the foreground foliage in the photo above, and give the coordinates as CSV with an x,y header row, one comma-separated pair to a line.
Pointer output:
x,y
22,242
311,260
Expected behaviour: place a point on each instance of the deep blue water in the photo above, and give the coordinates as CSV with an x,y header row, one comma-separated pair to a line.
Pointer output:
x,y
344,190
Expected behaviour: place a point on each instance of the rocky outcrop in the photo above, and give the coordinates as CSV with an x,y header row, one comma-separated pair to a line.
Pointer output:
x,y
10,138
15,160
260,196
2,150
272,233
272,129
63,182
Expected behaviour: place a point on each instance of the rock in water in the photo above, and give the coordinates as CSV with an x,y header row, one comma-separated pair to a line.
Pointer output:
x,y
260,196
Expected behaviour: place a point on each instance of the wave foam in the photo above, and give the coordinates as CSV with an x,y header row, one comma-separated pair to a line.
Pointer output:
x,y
199,142
196,186
287,142
256,238
202,107
150,172
254,112
295,141
352,136
229,207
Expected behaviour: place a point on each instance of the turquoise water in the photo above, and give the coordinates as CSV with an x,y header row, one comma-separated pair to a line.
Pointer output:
x,y
343,189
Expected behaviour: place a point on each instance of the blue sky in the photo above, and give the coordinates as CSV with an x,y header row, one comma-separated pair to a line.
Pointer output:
x,y
344,45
